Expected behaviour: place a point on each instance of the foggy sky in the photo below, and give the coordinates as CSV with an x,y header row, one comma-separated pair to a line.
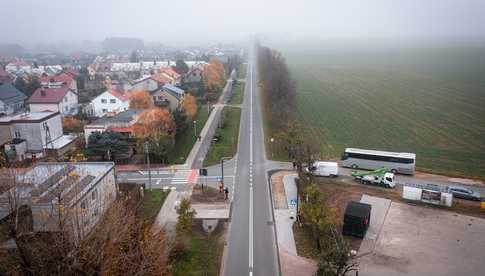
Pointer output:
x,y
35,21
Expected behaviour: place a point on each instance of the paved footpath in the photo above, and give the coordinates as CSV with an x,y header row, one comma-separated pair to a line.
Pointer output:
x,y
167,217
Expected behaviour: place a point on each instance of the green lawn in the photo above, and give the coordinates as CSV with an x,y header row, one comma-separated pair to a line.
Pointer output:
x,y
152,203
204,258
238,93
228,137
430,101
185,142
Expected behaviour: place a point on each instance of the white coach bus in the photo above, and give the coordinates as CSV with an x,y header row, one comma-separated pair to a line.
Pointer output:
x,y
396,162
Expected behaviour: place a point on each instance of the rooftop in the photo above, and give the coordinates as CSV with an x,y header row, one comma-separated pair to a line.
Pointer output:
x,y
45,181
10,94
29,116
122,117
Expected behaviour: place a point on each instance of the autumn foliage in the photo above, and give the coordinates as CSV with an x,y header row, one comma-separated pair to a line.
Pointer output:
x,y
140,100
154,123
71,124
213,76
190,106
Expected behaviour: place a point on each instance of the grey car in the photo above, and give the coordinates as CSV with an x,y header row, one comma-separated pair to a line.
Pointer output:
x,y
464,193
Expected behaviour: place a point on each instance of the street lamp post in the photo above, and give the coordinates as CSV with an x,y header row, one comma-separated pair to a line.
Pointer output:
x,y
195,130
148,163
271,140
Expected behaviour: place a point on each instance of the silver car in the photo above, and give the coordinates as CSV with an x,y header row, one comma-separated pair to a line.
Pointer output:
x,y
464,193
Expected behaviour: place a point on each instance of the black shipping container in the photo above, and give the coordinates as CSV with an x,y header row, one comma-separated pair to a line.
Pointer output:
x,y
356,219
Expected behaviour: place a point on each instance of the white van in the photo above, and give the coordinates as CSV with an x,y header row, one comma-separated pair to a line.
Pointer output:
x,y
320,168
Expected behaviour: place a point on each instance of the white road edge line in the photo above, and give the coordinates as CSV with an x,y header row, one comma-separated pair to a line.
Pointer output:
x,y
251,218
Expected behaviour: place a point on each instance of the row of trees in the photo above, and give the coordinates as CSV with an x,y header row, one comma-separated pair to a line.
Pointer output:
x,y
279,98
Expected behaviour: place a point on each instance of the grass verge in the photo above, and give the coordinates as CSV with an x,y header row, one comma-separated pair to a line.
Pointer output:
x,y
186,140
152,203
227,137
238,93
204,258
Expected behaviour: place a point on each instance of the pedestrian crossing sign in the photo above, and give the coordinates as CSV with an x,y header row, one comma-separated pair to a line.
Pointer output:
x,y
293,202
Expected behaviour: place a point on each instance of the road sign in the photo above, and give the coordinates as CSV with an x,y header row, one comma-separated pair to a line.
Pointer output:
x,y
292,202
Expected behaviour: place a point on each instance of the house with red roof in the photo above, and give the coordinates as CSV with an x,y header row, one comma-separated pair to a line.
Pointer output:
x,y
57,93
110,101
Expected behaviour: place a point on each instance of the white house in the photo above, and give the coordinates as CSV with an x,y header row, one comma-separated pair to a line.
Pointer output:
x,y
110,101
29,135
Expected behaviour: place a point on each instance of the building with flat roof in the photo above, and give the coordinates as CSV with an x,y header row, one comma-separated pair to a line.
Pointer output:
x,y
30,135
76,193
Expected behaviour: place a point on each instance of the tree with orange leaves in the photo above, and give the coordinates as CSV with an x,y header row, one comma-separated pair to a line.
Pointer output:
x,y
190,106
156,126
213,76
141,100
72,125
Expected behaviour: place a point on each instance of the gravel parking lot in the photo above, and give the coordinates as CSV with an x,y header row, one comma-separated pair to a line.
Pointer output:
x,y
417,240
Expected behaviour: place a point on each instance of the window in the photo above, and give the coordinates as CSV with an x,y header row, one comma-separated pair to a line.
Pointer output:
x,y
65,99
96,212
94,194
83,204
112,101
104,101
105,110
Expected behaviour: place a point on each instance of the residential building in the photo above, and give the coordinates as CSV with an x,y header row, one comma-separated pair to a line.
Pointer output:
x,y
16,66
122,122
5,77
11,99
58,93
32,135
145,83
110,101
168,96
85,190
194,76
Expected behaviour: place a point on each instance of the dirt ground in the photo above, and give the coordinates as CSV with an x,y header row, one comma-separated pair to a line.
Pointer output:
x,y
278,189
208,195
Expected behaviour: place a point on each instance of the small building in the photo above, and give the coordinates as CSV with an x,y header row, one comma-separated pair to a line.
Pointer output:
x,y
122,122
58,94
356,219
11,99
146,83
168,96
193,76
110,101
83,190
31,135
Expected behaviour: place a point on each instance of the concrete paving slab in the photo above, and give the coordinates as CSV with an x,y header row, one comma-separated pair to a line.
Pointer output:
x,y
380,207
416,240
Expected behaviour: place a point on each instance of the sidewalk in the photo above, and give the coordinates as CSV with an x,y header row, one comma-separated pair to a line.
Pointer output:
x,y
284,188
167,217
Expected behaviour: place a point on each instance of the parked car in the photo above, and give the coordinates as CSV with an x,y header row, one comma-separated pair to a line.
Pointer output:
x,y
320,168
464,193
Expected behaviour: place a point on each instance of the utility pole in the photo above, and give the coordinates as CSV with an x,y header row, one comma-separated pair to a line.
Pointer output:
x,y
222,168
148,163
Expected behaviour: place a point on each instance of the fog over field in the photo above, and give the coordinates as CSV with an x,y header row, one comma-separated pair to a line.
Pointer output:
x,y
194,21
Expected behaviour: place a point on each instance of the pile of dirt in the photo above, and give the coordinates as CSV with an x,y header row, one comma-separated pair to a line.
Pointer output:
x,y
207,195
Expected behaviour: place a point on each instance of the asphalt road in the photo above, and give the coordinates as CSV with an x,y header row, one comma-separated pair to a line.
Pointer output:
x,y
251,240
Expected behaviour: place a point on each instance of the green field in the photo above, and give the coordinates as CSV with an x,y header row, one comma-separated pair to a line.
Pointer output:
x,y
185,141
238,93
430,101
228,137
